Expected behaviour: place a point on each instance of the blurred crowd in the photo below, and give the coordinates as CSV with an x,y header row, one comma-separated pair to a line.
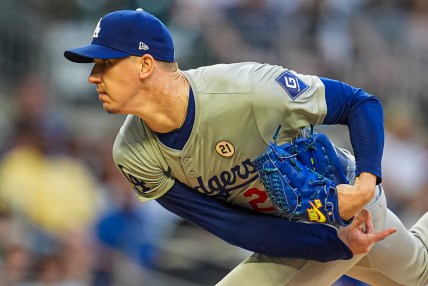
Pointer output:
x,y
67,217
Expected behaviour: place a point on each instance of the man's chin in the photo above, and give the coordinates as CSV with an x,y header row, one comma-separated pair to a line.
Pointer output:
x,y
110,110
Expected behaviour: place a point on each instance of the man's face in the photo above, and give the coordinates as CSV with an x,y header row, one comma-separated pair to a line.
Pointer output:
x,y
117,82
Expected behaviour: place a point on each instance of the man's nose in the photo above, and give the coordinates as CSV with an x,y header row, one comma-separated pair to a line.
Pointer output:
x,y
95,77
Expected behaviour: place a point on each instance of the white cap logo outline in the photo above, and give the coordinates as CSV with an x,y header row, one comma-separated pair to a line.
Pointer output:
x,y
143,46
97,29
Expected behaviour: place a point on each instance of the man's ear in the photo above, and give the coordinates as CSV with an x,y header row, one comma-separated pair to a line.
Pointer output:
x,y
147,63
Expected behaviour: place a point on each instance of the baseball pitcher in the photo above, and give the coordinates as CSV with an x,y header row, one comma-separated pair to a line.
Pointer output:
x,y
210,144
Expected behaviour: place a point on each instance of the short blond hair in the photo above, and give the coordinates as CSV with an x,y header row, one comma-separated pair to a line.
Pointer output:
x,y
168,66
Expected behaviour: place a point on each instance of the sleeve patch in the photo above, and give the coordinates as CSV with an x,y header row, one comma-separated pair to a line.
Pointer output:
x,y
139,185
293,85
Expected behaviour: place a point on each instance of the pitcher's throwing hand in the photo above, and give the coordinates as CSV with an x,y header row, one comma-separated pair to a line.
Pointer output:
x,y
360,235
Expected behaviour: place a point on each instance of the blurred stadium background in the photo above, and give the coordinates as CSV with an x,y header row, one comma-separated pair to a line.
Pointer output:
x,y
68,218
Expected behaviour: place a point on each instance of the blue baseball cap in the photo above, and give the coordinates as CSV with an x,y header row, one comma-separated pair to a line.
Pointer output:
x,y
125,33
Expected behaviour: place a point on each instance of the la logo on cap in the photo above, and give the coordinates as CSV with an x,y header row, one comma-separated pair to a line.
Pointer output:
x,y
97,29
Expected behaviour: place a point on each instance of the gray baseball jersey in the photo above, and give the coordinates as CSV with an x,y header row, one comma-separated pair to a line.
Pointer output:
x,y
234,121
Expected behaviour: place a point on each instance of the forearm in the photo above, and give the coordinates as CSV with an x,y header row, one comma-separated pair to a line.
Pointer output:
x,y
256,232
365,123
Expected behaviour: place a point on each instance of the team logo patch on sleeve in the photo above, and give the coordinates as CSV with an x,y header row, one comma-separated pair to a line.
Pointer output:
x,y
293,85
139,185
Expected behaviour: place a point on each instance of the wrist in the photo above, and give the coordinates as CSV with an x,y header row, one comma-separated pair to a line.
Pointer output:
x,y
353,198
365,186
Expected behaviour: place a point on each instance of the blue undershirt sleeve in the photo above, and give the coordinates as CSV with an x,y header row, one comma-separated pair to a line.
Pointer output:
x,y
363,115
253,231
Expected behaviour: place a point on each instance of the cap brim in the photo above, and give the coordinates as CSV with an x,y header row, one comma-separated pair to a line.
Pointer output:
x,y
88,53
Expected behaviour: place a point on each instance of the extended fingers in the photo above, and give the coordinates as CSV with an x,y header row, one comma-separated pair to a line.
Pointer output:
x,y
381,235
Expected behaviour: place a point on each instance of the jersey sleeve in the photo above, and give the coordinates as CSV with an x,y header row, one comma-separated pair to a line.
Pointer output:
x,y
253,231
138,158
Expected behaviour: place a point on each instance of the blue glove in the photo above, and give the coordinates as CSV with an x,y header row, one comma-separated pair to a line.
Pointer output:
x,y
318,153
291,176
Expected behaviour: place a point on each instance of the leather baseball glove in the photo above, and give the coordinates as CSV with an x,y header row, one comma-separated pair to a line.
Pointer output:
x,y
300,178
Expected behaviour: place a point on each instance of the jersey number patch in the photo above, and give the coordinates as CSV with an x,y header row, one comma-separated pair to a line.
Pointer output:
x,y
258,199
225,149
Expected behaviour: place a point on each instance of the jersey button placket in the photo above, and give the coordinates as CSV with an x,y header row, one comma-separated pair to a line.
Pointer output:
x,y
186,161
